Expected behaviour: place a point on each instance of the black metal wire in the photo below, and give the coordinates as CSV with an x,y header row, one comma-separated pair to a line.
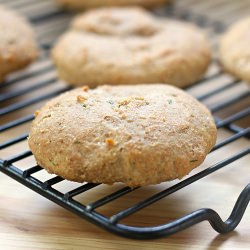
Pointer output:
x,y
26,103
180,185
177,225
226,103
88,211
109,198
191,219
16,93
28,172
233,118
26,76
13,141
79,190
16,123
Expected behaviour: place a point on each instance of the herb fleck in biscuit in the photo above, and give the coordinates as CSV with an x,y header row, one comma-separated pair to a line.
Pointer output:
x,y
234,52
83,4
128,46
138,135
17,42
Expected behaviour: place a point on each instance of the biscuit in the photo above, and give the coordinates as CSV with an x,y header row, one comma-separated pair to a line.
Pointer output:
x,y
129,46
85,4
17,43
234,50
138,135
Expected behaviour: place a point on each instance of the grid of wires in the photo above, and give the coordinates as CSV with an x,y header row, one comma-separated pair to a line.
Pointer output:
x,y
20,95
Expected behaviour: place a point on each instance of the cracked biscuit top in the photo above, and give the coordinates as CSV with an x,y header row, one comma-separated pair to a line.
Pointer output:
x,y
130,46
138,135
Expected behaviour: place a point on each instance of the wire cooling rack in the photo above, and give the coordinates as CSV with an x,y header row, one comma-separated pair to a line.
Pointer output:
x,y
23,92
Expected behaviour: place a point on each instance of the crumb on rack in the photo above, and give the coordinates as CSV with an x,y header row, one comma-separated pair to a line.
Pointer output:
x,y
36,113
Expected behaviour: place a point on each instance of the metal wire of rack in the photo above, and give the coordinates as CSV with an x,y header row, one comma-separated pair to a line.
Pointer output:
x,y
50,22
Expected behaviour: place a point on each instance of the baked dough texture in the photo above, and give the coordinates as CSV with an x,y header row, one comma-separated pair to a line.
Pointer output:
x,y
129,46
84,4
138,135
234,50
17,43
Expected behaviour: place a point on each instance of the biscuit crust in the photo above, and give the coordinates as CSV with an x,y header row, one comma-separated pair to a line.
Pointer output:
x,y
130,46
138,135
234,50
85,4
17,43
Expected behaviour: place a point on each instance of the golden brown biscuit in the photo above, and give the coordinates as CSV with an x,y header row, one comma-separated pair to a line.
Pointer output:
x,y
17,42
128,46
84,4
234,51
138,135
